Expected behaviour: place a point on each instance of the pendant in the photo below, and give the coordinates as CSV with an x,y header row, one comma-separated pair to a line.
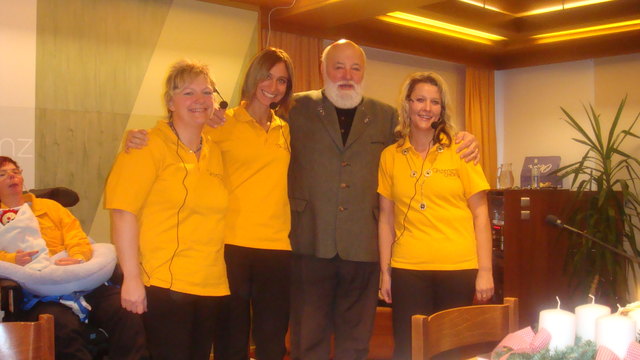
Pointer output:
x,y
427,172
414,173
423,206
439,148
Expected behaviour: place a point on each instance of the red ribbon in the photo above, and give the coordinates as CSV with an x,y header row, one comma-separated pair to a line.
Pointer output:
x,y
633,353
524,341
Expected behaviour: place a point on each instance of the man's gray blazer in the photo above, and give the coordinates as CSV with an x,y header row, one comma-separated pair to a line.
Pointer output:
x,y
333,187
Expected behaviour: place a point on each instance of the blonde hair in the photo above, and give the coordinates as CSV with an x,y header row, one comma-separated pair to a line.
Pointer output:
x,y
180,74
445,128
258,72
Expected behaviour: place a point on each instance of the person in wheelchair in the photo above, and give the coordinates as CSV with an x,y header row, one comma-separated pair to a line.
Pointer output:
x,y
60,231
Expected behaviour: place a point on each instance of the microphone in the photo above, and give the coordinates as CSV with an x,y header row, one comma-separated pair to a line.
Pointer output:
x,y
555,221
274,105
223,104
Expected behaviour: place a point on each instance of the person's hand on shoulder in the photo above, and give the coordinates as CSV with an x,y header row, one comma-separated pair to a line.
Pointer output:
x,y
469,148
217,118
136,139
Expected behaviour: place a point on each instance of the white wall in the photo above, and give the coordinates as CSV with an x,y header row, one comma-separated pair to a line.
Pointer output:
x,y
528,113
528,100
18,83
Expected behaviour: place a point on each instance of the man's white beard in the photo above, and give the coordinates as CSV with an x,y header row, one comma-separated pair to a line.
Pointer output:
x,y
343,99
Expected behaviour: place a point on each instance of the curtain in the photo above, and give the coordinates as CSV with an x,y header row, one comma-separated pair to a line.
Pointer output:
x,y
480,117
305,54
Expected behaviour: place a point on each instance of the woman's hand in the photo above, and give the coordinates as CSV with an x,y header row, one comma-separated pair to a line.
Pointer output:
x,y
68,261
136,139
484,285
133,296
217,118
385,287
24,257
469,149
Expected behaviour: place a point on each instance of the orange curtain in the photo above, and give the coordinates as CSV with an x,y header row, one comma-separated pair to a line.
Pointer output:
x,y
305,54
480,117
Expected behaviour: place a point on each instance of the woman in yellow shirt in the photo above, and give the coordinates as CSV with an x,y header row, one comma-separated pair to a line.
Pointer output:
x,y
255,152
434,235
167,205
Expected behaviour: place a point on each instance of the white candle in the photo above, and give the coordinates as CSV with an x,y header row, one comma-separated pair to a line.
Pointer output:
x,y
616,332
561,325
586,316
635,315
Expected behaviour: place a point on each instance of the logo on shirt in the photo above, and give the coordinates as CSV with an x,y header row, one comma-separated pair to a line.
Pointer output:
x,y
446,172
7,215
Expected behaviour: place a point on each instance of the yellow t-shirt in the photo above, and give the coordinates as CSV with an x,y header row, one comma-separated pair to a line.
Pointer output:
x,y
437,232
180,203
256,164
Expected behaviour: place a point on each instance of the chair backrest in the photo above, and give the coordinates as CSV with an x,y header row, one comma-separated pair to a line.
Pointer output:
x,y
27,340
463,326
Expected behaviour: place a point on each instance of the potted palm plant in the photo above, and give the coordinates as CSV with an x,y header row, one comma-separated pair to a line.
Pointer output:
x,y
607,206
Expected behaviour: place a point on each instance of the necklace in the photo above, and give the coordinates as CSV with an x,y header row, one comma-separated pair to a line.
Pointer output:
x,y
197,150
422,175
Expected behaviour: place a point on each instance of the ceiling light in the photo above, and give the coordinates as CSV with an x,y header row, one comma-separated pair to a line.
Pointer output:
x,y
440,27
564,5
588,31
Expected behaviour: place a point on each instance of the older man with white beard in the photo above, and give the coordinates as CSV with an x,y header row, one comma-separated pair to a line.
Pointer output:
x,y
337,136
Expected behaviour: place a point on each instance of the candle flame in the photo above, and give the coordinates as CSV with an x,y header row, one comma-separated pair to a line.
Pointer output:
x,y
593,299
557,298
619,309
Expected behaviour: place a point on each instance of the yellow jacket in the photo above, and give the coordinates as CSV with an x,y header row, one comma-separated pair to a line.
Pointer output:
x,y
59,228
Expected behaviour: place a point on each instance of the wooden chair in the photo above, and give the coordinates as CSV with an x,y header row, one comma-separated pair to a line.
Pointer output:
x,y
27,340
461,327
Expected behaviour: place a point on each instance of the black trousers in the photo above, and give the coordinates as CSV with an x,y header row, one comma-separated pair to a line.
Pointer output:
x,y
125,329
425,292
332,297
179,325
259,300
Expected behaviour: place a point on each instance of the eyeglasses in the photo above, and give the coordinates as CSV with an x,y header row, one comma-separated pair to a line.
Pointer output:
x,y
5,173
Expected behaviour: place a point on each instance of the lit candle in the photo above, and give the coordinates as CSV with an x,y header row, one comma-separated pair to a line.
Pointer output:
x,y
616,332
561,325
586,316
635,315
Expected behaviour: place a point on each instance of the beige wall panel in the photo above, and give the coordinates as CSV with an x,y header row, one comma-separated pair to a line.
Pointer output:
x,y
91,58
222,37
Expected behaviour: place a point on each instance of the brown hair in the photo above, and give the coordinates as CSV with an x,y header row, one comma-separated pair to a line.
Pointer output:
x,y
180,74
5,159
259,71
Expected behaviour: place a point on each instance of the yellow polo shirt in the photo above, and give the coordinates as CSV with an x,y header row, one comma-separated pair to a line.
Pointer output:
x,y
440,237
180,204
256,164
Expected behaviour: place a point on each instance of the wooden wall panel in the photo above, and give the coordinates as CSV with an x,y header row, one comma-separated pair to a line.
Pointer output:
x,y
91,58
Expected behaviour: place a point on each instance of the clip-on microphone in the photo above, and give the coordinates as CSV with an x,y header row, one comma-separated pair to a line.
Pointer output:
x,y
223,104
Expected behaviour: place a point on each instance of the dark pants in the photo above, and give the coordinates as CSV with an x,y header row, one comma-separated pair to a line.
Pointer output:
x,y
179,325
425,292
259,300
125,329
332,296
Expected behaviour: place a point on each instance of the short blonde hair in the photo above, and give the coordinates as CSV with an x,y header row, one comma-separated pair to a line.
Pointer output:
x,y
445,127
259,71
180,74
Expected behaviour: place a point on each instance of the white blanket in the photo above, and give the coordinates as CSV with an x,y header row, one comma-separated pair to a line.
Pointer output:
x,y
42,277
24,233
